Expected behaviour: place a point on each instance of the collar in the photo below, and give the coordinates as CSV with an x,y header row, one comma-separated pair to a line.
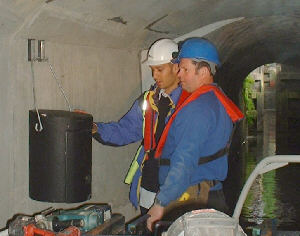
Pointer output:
x,y
175,94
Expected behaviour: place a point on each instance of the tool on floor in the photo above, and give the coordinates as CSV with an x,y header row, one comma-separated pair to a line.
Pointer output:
x,y
15,227
85,218
32,230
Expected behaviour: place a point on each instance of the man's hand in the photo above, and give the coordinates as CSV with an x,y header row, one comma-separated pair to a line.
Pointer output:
x,y
95,127
156,213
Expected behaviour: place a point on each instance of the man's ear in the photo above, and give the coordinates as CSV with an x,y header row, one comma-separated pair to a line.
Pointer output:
x,y
175,68
204,71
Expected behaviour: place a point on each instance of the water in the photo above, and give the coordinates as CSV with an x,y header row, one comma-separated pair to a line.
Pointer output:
x,y
274,197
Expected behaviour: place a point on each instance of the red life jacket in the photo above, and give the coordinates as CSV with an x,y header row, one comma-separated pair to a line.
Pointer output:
x,y
232,110
149,127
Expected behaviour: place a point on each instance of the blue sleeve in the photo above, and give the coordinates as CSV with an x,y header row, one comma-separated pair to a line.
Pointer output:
x,y
127,130
189,132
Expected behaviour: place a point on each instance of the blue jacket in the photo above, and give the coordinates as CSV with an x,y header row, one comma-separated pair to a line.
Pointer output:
x,y
200,129
129,129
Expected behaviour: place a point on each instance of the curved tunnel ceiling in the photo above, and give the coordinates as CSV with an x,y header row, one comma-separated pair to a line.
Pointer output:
x,y
269,31
250,43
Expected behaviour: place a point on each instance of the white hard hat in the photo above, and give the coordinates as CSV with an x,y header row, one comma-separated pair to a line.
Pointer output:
x,y
160,52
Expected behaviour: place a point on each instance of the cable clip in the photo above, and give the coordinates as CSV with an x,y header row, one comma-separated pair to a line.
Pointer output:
x,y
38,127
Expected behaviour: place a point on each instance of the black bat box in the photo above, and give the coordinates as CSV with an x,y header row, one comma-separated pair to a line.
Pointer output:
x,y
60,156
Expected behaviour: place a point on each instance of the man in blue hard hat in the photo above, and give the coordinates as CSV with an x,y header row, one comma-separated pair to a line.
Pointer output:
x,y
194,146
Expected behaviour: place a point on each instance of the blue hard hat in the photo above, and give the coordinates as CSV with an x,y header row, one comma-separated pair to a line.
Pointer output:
x,y
198,48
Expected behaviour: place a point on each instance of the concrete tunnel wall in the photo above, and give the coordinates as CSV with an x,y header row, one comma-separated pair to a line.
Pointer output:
x,y
93,75
6,141
92,84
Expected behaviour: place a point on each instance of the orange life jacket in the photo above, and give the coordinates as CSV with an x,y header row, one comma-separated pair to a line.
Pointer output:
x,y
149,128
232,110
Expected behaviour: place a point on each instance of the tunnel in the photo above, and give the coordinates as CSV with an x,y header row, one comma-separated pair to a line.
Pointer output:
x,y
95,49
265,41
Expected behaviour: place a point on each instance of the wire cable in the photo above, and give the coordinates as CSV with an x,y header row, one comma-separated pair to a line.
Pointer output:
x,y
40,128
59,85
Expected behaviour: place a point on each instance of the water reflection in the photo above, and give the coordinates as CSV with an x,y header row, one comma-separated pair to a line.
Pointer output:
x,y
261,201
274,195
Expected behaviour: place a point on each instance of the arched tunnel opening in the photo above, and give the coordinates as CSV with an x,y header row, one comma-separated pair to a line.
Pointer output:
x,y
275,131
261,42
271,128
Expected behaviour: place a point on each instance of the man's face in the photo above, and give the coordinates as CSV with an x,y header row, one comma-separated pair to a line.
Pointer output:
x,y
165,76
189,79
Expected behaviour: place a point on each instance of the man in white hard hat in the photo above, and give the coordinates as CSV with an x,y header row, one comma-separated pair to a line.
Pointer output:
x,y
145,122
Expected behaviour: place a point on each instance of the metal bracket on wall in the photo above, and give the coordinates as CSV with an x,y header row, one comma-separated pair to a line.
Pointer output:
x,y
36,46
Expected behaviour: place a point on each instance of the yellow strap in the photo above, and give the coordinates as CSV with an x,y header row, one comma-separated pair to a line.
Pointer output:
x,y
185,196
135,165
138,188
144,111
151,101
133,168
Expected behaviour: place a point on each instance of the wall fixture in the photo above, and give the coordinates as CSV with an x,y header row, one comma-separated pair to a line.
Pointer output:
x,y
36,46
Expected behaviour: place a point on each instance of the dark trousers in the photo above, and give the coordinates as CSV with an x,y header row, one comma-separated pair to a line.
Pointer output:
x,y
143,210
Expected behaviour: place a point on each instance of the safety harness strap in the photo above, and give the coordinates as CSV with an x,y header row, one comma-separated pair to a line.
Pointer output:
x,y
218,154
206,159
202,160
